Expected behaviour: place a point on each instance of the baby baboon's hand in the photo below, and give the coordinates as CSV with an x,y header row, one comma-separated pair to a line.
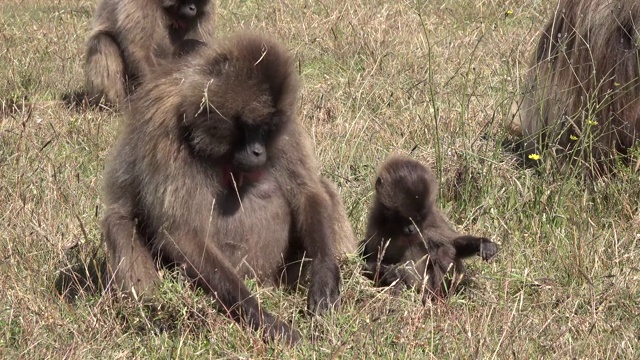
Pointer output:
x,y
488,249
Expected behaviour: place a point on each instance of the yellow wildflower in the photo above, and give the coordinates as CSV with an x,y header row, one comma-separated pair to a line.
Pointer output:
x,y
592,122
508,12
573,137
535,157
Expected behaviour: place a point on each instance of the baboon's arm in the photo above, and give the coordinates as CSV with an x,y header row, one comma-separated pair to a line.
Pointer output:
x,y
130,260
468,245
205,264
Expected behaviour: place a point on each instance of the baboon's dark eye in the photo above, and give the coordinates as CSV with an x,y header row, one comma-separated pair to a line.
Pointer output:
x,y
265,131
276,123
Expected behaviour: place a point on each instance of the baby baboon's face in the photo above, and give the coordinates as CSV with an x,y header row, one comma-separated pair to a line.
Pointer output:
x,y
404,190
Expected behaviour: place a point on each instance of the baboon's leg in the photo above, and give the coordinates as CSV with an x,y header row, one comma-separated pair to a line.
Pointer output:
x,y
442,261
343,233
105,70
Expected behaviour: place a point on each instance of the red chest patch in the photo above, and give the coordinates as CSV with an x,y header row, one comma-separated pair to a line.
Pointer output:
x,y
177,24
235,179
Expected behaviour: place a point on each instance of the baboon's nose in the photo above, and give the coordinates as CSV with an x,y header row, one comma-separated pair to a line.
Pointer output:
x,y
188,10
409,229
257,150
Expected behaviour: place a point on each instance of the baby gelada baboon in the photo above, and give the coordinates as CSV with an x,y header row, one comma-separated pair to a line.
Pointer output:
x,y
130,38
213,172
584,84
409,241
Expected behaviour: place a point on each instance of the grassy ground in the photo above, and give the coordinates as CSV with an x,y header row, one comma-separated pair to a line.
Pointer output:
x,y
434,79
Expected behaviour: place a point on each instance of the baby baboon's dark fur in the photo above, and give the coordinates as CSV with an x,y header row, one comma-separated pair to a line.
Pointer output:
x,y
212,171
409,241
132,37
585,89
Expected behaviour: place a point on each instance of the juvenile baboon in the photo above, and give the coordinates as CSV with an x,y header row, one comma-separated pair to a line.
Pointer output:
x,y
409,241
213,172
130,38
584,96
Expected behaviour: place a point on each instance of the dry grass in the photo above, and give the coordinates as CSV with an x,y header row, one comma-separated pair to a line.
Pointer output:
x,y
432,78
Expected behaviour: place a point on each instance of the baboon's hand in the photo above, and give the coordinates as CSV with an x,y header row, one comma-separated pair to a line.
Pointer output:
x,y
432,295
274,329
488,249
405,277
324,293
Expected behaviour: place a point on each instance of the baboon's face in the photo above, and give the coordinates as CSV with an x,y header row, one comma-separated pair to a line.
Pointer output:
x,y
239,141
246,108
253,140
184,9
406,221
403,189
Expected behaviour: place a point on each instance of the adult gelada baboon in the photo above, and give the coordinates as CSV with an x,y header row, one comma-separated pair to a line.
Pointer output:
x,y
585,95
131,37
409,241
213,172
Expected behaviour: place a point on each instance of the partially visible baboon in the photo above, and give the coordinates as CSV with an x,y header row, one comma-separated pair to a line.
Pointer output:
x,y
130,38
213,172
584,96
409,241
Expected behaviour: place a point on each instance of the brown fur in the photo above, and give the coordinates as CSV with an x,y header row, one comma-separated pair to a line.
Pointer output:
x,y
409,241
130,38
187,183
585,70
